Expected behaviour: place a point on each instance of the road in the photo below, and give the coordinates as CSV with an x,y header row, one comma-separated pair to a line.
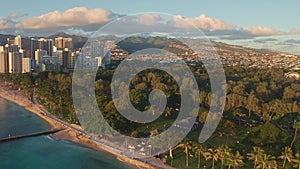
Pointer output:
x,y
46,113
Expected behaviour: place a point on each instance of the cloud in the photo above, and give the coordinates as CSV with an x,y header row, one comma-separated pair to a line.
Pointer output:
x,y
6,23
292,41
149,19
265,40
294,31
16,15
235,34
78,16
202,22
78,32
262,31
83,20
214,26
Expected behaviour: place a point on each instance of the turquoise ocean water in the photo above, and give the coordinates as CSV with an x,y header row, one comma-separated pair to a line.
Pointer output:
x,y
43,152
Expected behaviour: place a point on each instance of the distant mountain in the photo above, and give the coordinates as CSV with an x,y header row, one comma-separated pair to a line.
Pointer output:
x,y
60,34
230,53
78,41
133,44
3,39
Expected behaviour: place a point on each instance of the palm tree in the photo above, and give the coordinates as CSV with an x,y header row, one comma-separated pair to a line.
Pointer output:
x,y
211,154
296,127
296,160
187,147
251,103
199,150
267,162
171,155
223,153
255,155
237,160
287,155
229,161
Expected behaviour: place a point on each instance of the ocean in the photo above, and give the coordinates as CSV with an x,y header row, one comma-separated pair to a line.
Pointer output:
x,y
43,152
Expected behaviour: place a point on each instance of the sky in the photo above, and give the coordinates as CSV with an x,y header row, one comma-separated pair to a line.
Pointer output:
x,y
273,24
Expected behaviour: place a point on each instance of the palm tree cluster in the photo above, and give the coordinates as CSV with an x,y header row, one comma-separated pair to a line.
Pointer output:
x,y
224,157
223,154
262,160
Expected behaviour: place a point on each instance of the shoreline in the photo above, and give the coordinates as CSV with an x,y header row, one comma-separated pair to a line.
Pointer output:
x,y
69,134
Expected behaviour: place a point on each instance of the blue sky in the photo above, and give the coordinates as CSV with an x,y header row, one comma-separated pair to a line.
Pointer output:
x,y
249,23
279,14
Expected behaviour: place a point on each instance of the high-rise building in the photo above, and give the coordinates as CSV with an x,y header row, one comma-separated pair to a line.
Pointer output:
x,y
63,57
44,44
68,43
103,61
3,60
14,62
72,60
10,41
59,41
50,66
98,61
26,65
38,54
62,43
10,59
18,41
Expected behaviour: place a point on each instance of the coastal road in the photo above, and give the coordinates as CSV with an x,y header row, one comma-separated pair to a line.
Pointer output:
x,y
51,116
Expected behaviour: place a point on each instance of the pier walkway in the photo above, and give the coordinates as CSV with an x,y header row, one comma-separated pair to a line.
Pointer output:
x,y
30,135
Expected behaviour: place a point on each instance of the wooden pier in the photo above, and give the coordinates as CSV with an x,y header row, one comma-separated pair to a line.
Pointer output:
x,y
30,135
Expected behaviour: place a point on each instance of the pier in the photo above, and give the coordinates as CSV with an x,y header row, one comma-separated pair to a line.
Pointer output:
x,y
30,135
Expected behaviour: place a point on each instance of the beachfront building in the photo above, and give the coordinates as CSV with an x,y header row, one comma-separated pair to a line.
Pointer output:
x,y
38,54
44,44
3,60
14,62
11,59
26,65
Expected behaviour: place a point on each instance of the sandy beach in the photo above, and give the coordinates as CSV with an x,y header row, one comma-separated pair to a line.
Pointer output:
x,y
68,134
19,98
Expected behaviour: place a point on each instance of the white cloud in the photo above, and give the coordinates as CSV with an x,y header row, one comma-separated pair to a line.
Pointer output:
x,y
149,19
83,20
78,32
294,31
202,22
262,31
6,23
78,16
